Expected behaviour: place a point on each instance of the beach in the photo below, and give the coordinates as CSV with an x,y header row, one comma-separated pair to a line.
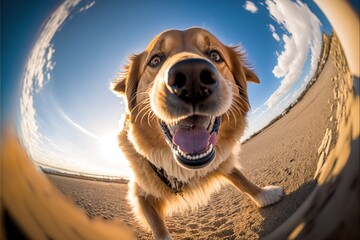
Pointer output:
x,y
285,154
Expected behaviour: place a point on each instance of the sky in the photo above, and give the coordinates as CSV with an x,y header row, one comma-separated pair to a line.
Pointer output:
x,y
59,58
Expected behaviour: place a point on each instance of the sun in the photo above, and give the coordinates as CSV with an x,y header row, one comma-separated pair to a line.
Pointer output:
x,y
109,149
108,152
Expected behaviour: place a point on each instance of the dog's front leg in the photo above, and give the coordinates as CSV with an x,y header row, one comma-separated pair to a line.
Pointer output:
x,y
155,217
261,196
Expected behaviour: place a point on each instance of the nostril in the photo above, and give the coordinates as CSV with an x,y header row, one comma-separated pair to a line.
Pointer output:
x,y
207,77
192,80
179,80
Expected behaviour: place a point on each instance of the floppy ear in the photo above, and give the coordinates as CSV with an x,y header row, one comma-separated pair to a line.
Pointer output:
x,y
127,83
241,73
251,76
118,87
240,67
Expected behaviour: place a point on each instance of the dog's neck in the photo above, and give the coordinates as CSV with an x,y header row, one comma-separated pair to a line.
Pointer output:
x,y
175,185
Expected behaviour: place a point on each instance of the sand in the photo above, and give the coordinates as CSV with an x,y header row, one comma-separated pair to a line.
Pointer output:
x,y
285,154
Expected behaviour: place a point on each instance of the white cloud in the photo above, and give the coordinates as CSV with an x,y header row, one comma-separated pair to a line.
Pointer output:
x,y
255,110
59,151
87,6
283,103
251,7
276,37
274,34
77,126
304,36
272,28
37,73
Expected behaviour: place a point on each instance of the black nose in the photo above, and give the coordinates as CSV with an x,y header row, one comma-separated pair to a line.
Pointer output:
x,y
192,80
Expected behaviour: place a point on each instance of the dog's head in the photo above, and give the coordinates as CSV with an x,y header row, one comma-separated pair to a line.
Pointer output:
x,y
189,90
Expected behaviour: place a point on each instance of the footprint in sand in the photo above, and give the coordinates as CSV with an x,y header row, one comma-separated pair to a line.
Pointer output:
x,y
193,226
206,229
219,215
177,230
225,234
219,222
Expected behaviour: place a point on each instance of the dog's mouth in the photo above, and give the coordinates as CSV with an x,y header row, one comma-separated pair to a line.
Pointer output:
x,y
193,140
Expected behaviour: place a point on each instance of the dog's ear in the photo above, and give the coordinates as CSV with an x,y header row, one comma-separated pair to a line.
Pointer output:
x,y
241,72
251,76
240,68
118,86
127,82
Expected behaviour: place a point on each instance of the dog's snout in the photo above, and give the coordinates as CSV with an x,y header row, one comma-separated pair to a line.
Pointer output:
x,y
192,80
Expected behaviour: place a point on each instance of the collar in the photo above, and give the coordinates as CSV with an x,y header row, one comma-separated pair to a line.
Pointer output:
x,y
175,185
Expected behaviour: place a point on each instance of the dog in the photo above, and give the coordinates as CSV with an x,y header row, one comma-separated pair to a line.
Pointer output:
x,y
187,101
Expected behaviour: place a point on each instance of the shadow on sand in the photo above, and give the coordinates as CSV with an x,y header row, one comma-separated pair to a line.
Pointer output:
x,y
288,205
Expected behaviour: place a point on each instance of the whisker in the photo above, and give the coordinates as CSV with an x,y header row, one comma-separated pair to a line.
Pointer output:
x,y
138,104
137,94
231,110
238,110
142,109
148,117
243,95
142,118
227,115
147,112
241,99
153,117
237,100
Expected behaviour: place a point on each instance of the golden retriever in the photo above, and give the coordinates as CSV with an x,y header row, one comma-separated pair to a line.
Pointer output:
x,y
187,102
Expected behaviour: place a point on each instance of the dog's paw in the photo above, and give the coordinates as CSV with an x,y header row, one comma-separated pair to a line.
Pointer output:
x,y
269,195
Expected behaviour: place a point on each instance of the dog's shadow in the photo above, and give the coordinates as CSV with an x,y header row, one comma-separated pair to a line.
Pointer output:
x,y
278,213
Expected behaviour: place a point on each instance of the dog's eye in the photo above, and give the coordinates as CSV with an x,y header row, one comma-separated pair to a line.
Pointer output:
x,y
155,60
215,56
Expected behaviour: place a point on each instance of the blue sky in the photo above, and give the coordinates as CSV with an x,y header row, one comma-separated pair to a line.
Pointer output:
x,y
60,57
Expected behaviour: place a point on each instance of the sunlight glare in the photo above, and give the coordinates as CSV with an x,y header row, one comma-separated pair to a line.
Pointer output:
x,y
109,147
110,151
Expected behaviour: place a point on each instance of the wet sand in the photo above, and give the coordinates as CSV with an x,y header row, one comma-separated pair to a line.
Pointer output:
x,y
285,154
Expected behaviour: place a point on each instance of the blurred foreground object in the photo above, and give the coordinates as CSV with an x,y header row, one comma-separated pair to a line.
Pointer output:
x,y
332,209
31,206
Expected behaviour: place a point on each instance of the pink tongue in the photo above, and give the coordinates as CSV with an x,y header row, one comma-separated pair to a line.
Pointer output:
x,y
195,140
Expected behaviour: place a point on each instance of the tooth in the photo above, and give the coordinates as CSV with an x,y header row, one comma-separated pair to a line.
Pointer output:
x,y
211,124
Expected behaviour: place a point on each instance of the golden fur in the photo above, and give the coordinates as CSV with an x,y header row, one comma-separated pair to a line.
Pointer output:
x,y
142,138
